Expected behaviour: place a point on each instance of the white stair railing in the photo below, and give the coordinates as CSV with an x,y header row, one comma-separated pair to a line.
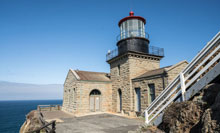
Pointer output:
x,y
201,64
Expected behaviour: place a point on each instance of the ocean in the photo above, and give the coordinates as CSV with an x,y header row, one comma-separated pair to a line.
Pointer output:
x,y
12,113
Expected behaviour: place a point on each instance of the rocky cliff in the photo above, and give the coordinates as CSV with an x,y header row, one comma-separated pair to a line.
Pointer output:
x,y
33,122
199,115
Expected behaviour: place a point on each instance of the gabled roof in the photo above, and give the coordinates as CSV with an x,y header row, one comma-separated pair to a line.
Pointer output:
x,y
159,71
153,72
176,65
91,76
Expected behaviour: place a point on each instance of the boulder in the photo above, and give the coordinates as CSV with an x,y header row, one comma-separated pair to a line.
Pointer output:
x,y
181,117
33,122
201,114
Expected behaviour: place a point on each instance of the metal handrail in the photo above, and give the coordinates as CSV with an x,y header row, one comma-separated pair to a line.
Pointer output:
x,y
111,54
204,50
52,130
178,85
49,107
127,34
170,85
152,50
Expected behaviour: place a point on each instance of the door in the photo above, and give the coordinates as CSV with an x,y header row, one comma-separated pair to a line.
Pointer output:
x,y
151,93
138,99
92,103
119,101
95,101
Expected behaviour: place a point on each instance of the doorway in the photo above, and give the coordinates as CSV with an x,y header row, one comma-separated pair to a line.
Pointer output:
x,y
138,99
151,93
119,101
95,99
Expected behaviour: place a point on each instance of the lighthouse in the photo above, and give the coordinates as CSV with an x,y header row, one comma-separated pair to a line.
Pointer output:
x,y
132,57
132,35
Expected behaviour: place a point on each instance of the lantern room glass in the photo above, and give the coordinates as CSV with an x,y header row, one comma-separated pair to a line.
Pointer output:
x,y
132,28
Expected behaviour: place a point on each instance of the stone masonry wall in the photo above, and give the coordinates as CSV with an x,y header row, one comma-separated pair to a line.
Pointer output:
x,y
172,73
120,82
130,66
83,95
159,81
69,94
76,95
140,65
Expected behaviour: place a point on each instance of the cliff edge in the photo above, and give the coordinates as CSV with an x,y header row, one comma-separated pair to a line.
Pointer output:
x,y
32,122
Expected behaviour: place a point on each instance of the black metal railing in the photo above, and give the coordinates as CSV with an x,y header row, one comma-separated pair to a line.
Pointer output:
x,y
111,54
156,51
152,50
132,33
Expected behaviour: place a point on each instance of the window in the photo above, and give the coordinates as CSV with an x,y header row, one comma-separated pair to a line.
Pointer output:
x,y
119,70
151,92
74,93
95,92
130,26
126,26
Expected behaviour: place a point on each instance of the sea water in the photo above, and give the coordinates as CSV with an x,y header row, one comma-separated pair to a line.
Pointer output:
x,y
12,113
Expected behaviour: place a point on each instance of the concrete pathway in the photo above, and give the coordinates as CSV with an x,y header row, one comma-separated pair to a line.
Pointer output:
x,y
56,115
98,123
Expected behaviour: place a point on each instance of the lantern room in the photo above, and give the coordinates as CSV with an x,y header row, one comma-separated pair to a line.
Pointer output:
x,y
133,39
132,26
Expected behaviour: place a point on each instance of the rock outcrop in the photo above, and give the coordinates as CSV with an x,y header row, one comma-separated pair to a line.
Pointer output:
x,y
32,122
181,117
201,114
147,129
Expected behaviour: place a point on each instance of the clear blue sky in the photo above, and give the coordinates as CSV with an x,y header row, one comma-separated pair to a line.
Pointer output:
x,y
41,39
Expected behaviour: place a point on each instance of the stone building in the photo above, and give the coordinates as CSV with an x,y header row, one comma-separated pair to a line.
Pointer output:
x,y
135,77
87,92
149,85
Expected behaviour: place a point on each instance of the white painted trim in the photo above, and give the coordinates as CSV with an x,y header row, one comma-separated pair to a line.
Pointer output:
x,y
202,52
146,116
183,86
203,70
211,54
75,74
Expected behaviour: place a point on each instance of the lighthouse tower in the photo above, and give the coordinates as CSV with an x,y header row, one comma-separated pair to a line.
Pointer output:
x,y
132,57
132,34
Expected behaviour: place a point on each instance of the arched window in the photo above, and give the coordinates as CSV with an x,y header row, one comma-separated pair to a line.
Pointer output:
x,y
119,101
74,93
95,92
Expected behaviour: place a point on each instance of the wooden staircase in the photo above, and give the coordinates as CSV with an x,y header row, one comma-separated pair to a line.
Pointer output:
x,y
202,70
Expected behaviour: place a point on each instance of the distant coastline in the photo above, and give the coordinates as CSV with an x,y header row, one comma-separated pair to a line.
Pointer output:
x,y
25,91
33,100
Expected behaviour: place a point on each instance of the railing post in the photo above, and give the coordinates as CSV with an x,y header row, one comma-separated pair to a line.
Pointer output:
x,y
146,117
38,108
183,86
53,127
